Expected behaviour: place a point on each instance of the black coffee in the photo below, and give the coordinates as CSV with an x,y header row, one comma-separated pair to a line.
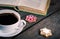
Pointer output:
x,y
8,19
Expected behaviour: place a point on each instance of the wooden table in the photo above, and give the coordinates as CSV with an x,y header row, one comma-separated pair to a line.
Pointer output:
x,y
51,21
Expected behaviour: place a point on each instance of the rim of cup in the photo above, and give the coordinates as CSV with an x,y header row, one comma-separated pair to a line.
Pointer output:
x,y
11,11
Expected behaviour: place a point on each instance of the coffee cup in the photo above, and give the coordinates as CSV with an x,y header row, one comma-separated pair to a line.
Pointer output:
x,y
10,20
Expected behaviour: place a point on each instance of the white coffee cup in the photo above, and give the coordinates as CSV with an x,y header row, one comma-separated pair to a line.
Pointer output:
x,y
12,28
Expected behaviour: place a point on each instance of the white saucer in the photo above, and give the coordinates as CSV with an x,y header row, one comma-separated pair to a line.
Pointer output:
x,y
2,34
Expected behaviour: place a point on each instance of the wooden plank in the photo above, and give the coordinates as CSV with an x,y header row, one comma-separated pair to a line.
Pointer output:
x,y
52,22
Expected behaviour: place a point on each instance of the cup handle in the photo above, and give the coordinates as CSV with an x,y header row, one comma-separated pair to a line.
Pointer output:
x,y
23,23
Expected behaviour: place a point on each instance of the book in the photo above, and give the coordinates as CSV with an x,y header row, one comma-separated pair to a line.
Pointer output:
x,y
33,6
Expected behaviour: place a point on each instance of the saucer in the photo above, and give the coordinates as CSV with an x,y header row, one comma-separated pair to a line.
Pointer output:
x,y
17,31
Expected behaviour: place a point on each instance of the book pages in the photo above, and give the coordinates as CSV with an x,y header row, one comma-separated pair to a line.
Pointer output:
x,y
33,6
10,2
36,4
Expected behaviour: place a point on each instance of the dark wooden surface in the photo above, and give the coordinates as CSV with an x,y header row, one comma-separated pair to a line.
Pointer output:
x,y
51,21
